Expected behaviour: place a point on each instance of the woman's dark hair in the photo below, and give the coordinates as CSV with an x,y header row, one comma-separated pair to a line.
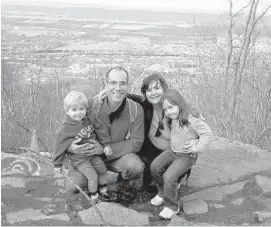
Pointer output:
x,y
176,99
153,77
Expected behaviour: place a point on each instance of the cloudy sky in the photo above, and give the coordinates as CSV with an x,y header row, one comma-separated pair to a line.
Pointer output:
x,y
176,5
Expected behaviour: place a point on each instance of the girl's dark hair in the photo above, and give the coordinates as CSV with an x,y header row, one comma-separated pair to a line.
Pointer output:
x,y
153,77
176,99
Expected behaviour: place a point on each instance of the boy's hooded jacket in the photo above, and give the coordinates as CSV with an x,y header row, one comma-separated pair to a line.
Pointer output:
x,y
71,129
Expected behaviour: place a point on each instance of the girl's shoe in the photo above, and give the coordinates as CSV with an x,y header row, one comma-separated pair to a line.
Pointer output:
x,y
167,213
157,200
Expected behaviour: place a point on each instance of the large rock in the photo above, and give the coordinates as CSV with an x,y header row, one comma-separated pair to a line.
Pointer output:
x,y
224,162
113,214
215,193
195,207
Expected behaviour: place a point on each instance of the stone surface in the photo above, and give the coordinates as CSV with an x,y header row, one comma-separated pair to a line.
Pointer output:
x,y
49,209
178,221
218,206
181,221
264,183
50,200
113,214
32,214
16,182
195,207
237,202
262,216
25,164
224,161
215,193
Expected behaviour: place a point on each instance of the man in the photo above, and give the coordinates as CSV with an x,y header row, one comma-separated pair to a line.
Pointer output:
x,y
126,138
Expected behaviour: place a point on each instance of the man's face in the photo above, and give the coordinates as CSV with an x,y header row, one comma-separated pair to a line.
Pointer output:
x,y
117,86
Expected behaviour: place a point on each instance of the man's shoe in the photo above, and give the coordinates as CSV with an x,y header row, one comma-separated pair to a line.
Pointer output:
x,y
167,213
109,196
126,196
157,200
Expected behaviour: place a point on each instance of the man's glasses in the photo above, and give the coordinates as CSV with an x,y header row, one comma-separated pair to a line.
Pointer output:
x,y
115,83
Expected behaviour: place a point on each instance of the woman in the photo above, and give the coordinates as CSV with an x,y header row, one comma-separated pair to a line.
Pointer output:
x,y
152,88
156,137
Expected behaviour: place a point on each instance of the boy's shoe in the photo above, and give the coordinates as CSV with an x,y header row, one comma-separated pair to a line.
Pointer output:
x,y
167,213
95,201
157,200
109,196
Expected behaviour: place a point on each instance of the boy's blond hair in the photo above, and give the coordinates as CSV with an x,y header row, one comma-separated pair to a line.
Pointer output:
x,y
75,98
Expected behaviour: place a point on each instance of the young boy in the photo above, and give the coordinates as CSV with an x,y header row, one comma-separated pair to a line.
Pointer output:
x,y
80,122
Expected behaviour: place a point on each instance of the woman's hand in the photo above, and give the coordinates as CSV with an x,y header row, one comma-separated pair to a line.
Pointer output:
x,y
101,96
165,133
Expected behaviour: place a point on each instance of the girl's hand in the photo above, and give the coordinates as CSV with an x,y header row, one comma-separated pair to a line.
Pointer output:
x,y
101,96
191,147
190,144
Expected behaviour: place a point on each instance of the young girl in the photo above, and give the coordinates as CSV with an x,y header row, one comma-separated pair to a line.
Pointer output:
x,y
186,125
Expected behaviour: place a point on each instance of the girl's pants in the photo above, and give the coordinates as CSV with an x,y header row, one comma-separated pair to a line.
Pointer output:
x,y
166,169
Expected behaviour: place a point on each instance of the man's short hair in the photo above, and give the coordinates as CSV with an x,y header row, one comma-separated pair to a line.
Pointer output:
x,y
117,68
75,98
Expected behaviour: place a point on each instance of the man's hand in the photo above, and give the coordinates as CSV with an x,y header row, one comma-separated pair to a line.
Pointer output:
x,y
101,96
96,148
87,149
108,151
78,149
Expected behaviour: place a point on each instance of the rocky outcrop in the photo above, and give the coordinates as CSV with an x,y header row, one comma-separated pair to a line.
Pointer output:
x,y
224,162
32,195
113,214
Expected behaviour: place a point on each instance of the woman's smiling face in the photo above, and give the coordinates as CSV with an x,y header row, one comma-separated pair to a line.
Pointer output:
x,y
154,93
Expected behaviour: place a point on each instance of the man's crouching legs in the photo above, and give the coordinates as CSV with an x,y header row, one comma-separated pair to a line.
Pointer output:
x,y
130,169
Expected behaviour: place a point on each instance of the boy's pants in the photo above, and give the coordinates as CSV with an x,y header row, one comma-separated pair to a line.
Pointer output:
x,y
94,170
166,169
129,166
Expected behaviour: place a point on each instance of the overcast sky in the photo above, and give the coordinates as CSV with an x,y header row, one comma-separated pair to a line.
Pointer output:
x,y
176,5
